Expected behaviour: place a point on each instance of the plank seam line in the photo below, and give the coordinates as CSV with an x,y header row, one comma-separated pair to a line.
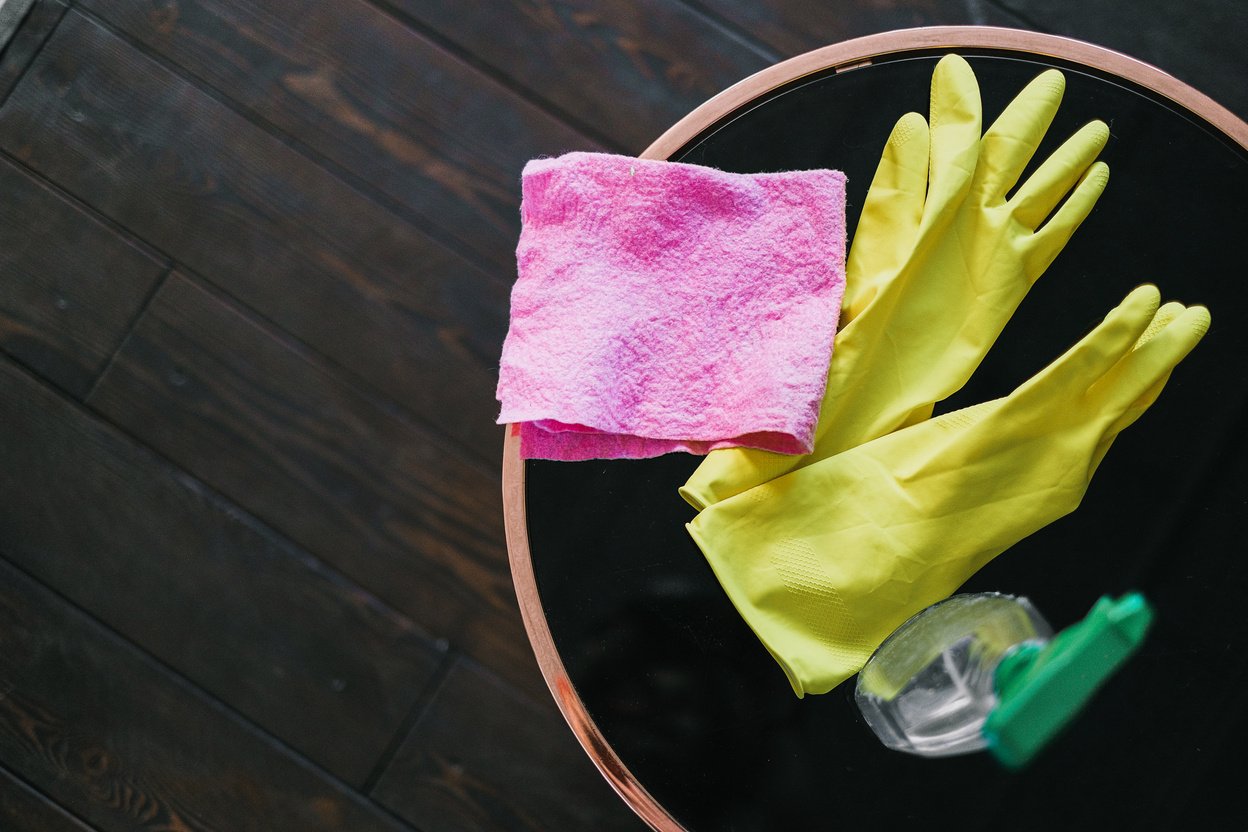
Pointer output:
x,y
391,205
480,459
219,502
420,706
348,377
175,677
467,453
494,75
120,231
9,770
739,33
7,27
129,329
34,55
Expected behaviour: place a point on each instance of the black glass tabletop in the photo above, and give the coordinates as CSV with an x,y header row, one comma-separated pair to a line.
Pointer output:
x,y
701,715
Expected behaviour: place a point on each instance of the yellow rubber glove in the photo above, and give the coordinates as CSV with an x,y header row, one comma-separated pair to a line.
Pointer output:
x,y
824,563
939,262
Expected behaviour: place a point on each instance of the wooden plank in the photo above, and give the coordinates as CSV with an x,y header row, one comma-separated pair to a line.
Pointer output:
x,y
22,809
628,70
12,12
792,27
1200,42
325,464
34,28
69,287
294,646
483,759
190,176
92,723
374,96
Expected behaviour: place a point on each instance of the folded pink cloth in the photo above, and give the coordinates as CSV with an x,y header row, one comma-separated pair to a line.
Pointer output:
x,y
669,307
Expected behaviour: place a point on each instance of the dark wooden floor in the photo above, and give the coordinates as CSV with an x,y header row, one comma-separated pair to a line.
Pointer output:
x,y
255,258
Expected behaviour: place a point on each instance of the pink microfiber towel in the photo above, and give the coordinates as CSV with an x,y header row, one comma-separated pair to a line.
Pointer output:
x,y
669,307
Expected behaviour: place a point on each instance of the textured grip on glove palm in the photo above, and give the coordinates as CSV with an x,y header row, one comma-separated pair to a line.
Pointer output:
x,y
825,562
939,262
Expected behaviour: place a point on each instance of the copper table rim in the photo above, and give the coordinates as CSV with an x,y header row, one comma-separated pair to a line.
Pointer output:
x,y
839,57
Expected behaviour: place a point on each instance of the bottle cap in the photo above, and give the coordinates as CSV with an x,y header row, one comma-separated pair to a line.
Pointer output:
x,y
1041,687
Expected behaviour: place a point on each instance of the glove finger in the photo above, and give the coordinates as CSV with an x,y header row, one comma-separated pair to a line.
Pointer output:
x,y
956,120
1167,313
1012,139
891,213
1164,317
1155,358
902,173
1096,354
1039,195
1052,237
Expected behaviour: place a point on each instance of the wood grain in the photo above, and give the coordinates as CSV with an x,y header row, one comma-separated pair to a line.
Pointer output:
x,y
12,13
792,27
296,647
337,184
69,287
372,95
92,723
327,465
210,189
22,809
17,52
627,70
482,759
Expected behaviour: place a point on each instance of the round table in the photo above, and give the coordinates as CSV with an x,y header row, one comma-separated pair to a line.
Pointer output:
x,y
679,704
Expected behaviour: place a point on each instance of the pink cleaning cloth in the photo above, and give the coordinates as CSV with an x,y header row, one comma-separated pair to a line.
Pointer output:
x,y
670,307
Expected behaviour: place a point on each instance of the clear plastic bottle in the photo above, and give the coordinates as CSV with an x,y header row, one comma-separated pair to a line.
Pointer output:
x,y
985,671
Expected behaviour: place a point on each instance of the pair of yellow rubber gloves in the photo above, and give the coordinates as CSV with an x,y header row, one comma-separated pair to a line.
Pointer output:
x,y
825,555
